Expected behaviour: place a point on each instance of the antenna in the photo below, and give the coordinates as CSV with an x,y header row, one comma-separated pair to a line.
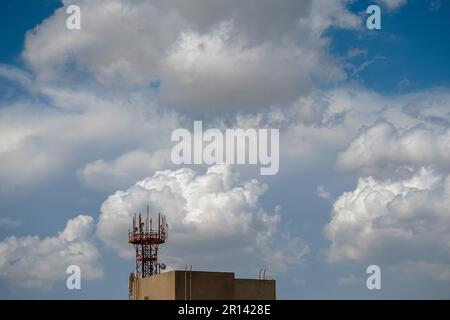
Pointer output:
x,y
148,210
146,243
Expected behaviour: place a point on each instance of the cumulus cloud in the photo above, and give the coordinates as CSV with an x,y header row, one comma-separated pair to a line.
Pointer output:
x,y
315,126
402,223
123,171
384,148
399,134
214,220
34,262
224,55
103,93
37,142
329,127
105,87
124,137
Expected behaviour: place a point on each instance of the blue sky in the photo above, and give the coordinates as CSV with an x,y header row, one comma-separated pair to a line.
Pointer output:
x,y
16,19
364,120
411,46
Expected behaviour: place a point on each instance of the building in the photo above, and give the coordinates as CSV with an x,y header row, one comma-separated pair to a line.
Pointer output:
x,y
199,285
148,283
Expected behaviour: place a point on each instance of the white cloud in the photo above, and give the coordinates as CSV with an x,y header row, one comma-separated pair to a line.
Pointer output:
x,y
97,80
206,54
350,279
38,142
208,72
324,194
215,221
314,127
211,55
393,4
416,134
123,171
356,52
35,262
402,223
9,222
16,74
123,138
383,148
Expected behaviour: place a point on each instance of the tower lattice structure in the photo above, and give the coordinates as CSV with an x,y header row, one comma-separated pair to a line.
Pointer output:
x,y
146,242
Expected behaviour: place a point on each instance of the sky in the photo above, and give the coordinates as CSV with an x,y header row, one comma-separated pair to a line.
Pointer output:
x,y
86,118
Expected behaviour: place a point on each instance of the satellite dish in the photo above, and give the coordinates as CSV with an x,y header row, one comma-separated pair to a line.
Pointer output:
x,y
162,266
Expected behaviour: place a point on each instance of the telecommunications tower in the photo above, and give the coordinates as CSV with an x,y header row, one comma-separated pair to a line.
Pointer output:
x,y
146,242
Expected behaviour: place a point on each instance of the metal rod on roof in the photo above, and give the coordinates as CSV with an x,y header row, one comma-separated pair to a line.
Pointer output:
x,y
190,283
185,282
148,210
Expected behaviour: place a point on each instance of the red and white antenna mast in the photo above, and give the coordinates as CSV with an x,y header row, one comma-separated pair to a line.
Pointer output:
x,y
146,242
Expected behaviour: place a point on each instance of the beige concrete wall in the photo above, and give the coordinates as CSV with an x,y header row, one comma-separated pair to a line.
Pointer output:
x,y
250,289
202,285
159,287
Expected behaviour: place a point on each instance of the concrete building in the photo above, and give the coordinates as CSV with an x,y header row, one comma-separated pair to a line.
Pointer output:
x,y
199,285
